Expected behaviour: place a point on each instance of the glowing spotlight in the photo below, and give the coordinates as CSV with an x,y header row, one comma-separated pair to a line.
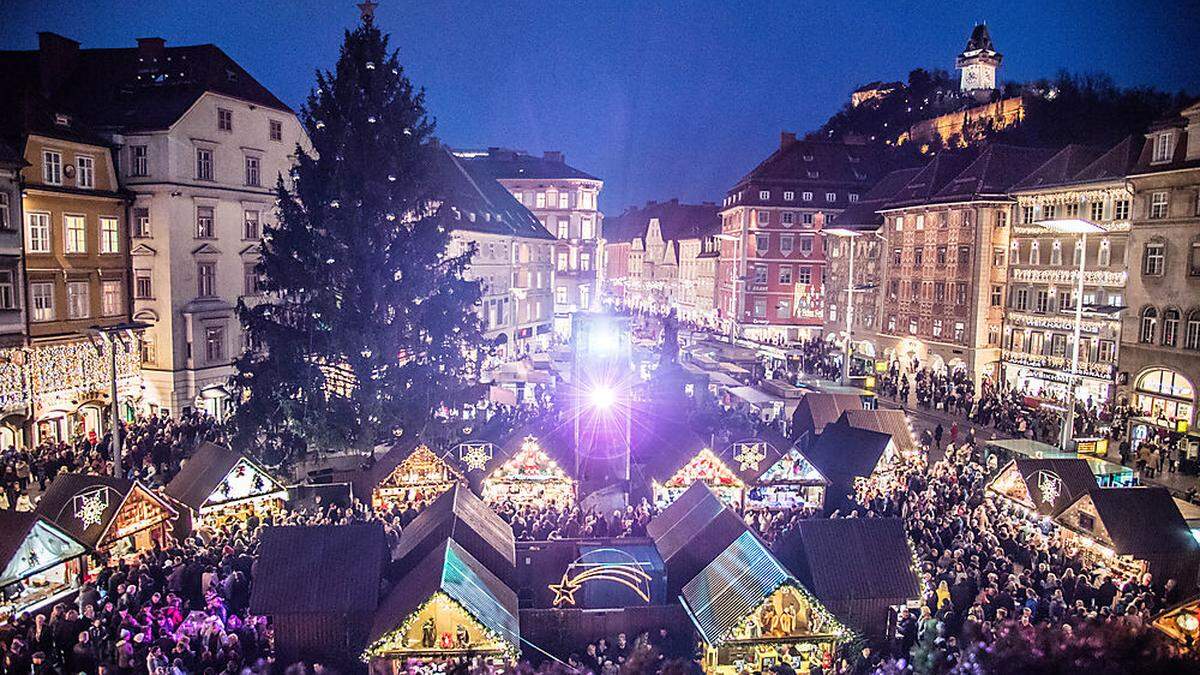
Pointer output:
x,y
602,397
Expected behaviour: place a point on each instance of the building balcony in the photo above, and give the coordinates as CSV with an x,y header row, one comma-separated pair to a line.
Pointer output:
x,y
1069,277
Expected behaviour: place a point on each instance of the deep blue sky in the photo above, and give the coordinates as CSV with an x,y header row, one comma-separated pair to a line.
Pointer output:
x,y
658,99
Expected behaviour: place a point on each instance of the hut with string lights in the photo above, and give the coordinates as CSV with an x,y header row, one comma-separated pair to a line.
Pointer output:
x,y
529,476
412,478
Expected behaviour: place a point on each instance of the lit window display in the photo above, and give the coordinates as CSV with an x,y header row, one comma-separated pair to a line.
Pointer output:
x,y
246,490
417,480
791,482
46,565
108,515
530,477
707,468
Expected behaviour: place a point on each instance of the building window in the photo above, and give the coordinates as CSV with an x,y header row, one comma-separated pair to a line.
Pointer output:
x,y
806,219
1154,259
253,177
142,288
1105,255
224,119
564,228
896,257
1166,393
1056,252
75,234
959,331
587,229
806,196
964,256
912,326
1149,325
79,302
214,344
561,261
1170,327
997,296
275,130
763,218
760,274
250,278
785,274
804,275
86,172
250,228
141,222
39,232
110,297
1097,211
1158,204
1028,215
1071,210
42,298
1121,209
564,200
783,309
1042,302
8,290
206,279
1191,335
110,241
139,164
585,262
204,164
762,242
540,200
939,291
786,244
1194,259
920,224
760,307
852,197
52,167
5,213
1163,146
937,328
1049,212
789,196
1002,218
1020,299
918,256
1035,253
789,218
960,293
204,222
764,195
831,196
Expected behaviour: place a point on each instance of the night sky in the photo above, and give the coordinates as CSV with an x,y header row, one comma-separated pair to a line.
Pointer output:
x,y
659,100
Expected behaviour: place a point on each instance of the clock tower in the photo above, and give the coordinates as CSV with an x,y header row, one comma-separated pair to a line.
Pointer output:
x,y
978,63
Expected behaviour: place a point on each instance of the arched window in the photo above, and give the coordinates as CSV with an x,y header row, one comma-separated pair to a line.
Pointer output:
x,y
1149,325
1105,255
1035,254
1170,331
1078,252
1056,252
1164,393
1191,334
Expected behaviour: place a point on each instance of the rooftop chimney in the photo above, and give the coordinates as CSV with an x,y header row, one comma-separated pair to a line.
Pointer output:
x,y
150,48
786,138
56,60
554,156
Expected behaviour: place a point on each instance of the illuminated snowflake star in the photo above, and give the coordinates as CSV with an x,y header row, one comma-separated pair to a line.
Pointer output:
x,y
749,455
90,508
1051,487
475,457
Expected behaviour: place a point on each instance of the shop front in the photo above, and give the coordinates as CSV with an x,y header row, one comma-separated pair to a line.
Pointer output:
x,y
791,482
765,619
42,563
529,476
217,485
416,481
112,517
705,467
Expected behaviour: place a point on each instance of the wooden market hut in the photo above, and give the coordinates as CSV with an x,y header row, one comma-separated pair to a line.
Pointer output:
x,y
1044,486
752,613
458,514
860,568
791,481
1134,530
818,410
1181,623
217,483
529,475
671,477
886,421
691,532
319,585
410,476
447,606
844,455
39,563
110,516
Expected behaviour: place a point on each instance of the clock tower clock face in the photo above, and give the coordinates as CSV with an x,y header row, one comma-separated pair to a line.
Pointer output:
x,y
970,78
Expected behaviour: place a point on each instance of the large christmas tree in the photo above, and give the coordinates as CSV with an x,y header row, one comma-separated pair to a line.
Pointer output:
x,y
368,324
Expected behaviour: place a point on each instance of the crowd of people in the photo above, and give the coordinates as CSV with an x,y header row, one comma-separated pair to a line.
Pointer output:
x,y
987,567
541,523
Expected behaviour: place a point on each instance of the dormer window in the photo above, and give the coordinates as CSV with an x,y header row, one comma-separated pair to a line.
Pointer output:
x,y
1164,146
814,174
764,195
62,120
808,158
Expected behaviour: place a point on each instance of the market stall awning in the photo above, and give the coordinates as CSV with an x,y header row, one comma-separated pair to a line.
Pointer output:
x,y
1047,486
852,559
722,380
817,410
754,396
319,569
29,544
692,531
215,474
891,422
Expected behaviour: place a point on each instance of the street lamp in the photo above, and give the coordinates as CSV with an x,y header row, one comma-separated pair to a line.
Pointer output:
x,y
112,336
850,288
1082,228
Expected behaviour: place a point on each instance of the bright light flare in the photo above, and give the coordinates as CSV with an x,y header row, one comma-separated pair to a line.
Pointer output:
x,y
602,397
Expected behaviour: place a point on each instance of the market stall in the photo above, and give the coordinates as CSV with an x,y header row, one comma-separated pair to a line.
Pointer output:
x,y
1043,486
790,482
415,481
110,516
529,476
765,618
705,467
851,459
1107,474
1133,531
218,484
448,607
40,561
1181,622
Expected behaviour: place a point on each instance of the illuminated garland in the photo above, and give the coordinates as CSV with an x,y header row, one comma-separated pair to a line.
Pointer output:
x,y
838,630
707,468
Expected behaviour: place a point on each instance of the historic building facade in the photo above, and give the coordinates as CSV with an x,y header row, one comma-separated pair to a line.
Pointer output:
x,y
1160,337
1078,184
566,200
12,270
772,258
946,240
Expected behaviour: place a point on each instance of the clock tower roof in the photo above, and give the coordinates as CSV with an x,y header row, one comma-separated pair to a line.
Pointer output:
x,y
980,40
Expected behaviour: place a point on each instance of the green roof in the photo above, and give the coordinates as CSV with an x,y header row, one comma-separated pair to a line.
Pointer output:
x,y
732,586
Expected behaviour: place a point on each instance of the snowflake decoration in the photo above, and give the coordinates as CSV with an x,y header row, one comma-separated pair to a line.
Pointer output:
x,y
475,455
749,455
1050,486
90,507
